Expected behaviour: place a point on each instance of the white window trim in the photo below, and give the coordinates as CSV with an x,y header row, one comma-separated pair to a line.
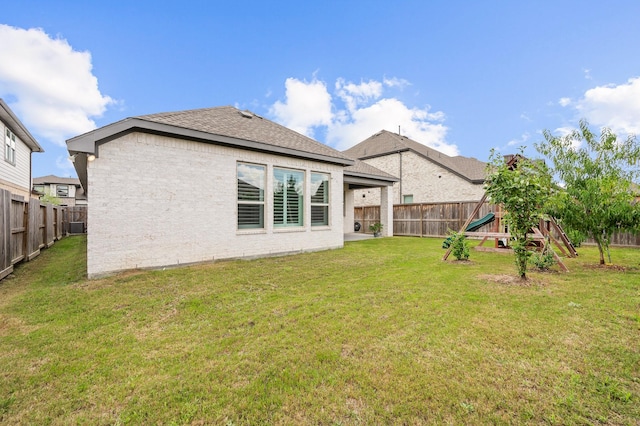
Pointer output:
x,y
10,147
327,204
304,213
263,203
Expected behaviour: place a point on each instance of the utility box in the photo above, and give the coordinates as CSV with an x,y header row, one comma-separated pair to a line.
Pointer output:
x,y
76,227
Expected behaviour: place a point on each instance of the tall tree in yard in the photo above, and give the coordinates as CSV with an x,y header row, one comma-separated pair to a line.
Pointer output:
x,y
523,187
598,175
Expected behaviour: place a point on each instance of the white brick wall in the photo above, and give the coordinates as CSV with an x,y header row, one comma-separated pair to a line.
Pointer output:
x,y
423,179
159,201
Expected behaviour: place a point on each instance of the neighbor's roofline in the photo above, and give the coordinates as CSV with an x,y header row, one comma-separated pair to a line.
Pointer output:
x,y
427,157
18,128
89,142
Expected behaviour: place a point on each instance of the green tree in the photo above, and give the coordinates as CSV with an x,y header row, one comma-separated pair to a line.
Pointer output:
x,y
597,174
523,188
50,199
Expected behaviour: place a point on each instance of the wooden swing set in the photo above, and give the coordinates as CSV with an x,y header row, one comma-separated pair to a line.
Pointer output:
x,y
541,236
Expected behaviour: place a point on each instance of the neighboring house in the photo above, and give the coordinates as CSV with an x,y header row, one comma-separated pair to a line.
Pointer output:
x,y
18,144
216,183
424,174
67,190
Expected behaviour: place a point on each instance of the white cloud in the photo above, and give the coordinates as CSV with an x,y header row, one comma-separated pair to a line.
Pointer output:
x,y
308,105
354,95
396,82
564,102
51,86
566,131
615,107
65,165
357,111
519,142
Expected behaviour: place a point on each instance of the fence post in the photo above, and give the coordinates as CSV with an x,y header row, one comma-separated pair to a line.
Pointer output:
x,y
6,266
33,241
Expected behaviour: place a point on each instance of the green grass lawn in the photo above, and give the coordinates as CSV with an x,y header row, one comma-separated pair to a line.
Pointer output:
x,y
380,332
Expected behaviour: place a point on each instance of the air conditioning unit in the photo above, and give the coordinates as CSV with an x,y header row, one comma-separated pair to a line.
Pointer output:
x,y
76,227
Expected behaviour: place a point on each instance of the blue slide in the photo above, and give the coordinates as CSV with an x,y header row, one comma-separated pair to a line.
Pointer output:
x,y
473,226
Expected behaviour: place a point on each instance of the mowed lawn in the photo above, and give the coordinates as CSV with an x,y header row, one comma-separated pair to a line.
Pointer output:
x,y
380,332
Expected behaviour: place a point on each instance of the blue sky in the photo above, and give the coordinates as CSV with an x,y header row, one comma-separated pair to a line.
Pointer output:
x,y
460,76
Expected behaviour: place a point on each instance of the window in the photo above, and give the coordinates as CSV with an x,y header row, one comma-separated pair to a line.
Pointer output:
x,y
250,196
319,199
10,147
407,199
288,197
62,190
39,189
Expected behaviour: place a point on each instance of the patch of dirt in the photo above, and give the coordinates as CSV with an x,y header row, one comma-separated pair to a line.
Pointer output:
x,y
607,267
509,280
462,262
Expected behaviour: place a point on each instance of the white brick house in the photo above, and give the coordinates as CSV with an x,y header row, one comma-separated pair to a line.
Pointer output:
x,y
17,146
201,185
424,174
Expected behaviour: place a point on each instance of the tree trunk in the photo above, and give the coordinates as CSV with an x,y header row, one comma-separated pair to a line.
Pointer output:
x,y
601,250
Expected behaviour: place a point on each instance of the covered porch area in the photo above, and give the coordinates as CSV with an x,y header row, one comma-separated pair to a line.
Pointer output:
x,y
359,176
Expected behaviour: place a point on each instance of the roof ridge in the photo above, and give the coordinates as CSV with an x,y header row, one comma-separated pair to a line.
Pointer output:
x,y
183,112
385,142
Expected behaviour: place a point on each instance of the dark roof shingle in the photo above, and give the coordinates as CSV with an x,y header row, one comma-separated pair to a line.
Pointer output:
x,y
385,142
245,125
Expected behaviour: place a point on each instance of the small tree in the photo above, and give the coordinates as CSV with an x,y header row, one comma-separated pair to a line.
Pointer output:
x,y
597,174
460,245
523,188
47,198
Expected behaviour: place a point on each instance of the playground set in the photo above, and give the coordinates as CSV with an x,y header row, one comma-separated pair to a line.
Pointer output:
x,y
548,231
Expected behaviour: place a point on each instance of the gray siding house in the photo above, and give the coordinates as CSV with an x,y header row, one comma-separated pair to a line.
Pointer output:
x,y
216,183
424,174
17,146
67,190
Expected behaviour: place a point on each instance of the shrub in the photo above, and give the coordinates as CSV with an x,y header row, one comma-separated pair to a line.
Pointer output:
x,y
460,246
576,237
543,260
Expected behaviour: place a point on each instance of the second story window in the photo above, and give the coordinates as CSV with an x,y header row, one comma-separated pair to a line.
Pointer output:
x,y
39,189
62,191
10,147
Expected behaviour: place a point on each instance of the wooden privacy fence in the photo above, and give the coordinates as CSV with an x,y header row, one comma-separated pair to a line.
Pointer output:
x,y
435,219
423,219
26,227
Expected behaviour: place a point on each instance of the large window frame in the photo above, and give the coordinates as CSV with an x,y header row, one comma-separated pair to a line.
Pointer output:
x,y
320,195
250,185
10,147
288,197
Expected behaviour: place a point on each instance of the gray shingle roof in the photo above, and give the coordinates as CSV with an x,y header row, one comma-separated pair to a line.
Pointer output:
x,y
56,179
360,168
385,142
234,123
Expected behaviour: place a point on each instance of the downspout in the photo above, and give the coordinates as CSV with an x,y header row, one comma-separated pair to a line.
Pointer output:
x,y
400,185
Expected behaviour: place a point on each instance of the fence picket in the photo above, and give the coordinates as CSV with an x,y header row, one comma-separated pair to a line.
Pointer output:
x,y
26,226
436,219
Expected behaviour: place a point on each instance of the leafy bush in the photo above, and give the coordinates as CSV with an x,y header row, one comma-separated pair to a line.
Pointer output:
x,y
576,237
376,227
543,260
460,246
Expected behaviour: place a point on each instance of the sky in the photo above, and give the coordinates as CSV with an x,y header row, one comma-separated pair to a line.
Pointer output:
x,y
463,77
